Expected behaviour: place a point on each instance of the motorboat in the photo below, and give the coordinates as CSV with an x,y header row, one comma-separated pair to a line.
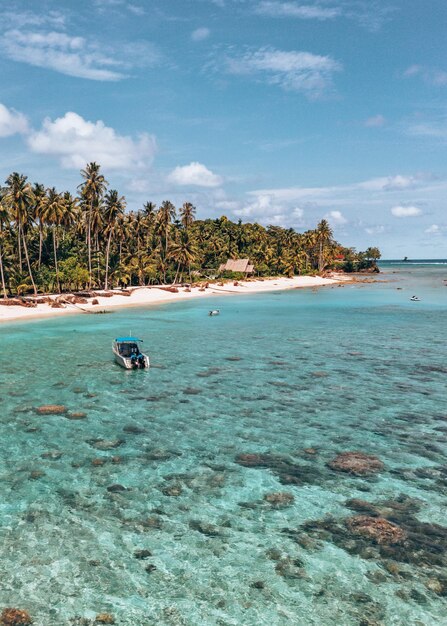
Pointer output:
x,y
214,312
415,299
128,354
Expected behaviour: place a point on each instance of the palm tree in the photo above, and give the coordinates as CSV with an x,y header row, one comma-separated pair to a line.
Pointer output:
x,y
113,210
4,218
184,252
166,213
92,190
53,213
324,239
39,195
187,214
19,200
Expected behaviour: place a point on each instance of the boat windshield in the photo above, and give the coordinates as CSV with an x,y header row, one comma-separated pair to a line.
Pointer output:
x,y
127,349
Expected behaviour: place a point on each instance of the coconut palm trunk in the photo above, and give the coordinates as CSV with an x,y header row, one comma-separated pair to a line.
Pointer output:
x,y
25,247
40,243
2,274
89,246
19,246
55,258
106,280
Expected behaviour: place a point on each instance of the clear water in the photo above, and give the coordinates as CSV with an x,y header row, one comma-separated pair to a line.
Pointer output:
x,y
338,369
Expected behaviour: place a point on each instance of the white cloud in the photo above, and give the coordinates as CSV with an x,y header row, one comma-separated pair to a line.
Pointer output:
x,y
200,34
435,128
391,183
405,211
430,75
376,121
75,56
375,230
136,9
292,70
59,52
195,174
20,19
336,217
434,229
266,209
77,141
12,122
294,9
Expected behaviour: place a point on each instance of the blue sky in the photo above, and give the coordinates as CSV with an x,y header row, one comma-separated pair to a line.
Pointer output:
x,y
281,112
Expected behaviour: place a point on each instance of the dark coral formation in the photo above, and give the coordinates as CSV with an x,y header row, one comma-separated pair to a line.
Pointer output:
x,y
378,529
288,472
356,463
386,530
279,499
51,409
15,617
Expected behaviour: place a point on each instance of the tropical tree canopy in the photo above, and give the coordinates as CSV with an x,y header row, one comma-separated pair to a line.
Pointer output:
x,y
52,240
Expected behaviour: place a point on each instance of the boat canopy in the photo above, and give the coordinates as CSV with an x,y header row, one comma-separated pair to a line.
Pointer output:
x,y
126,339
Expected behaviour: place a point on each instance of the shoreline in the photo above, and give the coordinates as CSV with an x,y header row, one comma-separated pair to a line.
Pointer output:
x,y
157,294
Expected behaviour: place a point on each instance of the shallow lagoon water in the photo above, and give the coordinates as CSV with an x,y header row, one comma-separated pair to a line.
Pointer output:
x,y
357,367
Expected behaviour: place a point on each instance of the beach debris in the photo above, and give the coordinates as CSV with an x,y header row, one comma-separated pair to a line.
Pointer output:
x,y
51,409
15,617
356,463
17,302
104,618
378,529
279,499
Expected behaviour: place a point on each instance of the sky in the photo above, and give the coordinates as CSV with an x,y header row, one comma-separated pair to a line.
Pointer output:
x,y
276,111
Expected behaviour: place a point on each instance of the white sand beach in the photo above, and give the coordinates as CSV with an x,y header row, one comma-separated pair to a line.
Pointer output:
x,y
157,294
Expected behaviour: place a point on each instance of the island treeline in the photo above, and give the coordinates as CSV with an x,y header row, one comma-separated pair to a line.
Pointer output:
x,y
53,241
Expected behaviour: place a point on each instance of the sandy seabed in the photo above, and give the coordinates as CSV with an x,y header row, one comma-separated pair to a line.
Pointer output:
x,y
157,294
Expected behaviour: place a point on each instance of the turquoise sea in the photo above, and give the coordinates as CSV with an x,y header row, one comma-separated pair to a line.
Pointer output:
x,y
148,508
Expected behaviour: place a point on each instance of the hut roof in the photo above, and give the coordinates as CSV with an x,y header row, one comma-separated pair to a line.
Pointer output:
x,y
237,265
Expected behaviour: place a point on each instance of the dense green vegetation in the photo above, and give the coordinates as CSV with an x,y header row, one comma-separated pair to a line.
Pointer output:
x,y
53,241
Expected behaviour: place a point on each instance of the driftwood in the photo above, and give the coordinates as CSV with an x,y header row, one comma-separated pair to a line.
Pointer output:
x,y
17,302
